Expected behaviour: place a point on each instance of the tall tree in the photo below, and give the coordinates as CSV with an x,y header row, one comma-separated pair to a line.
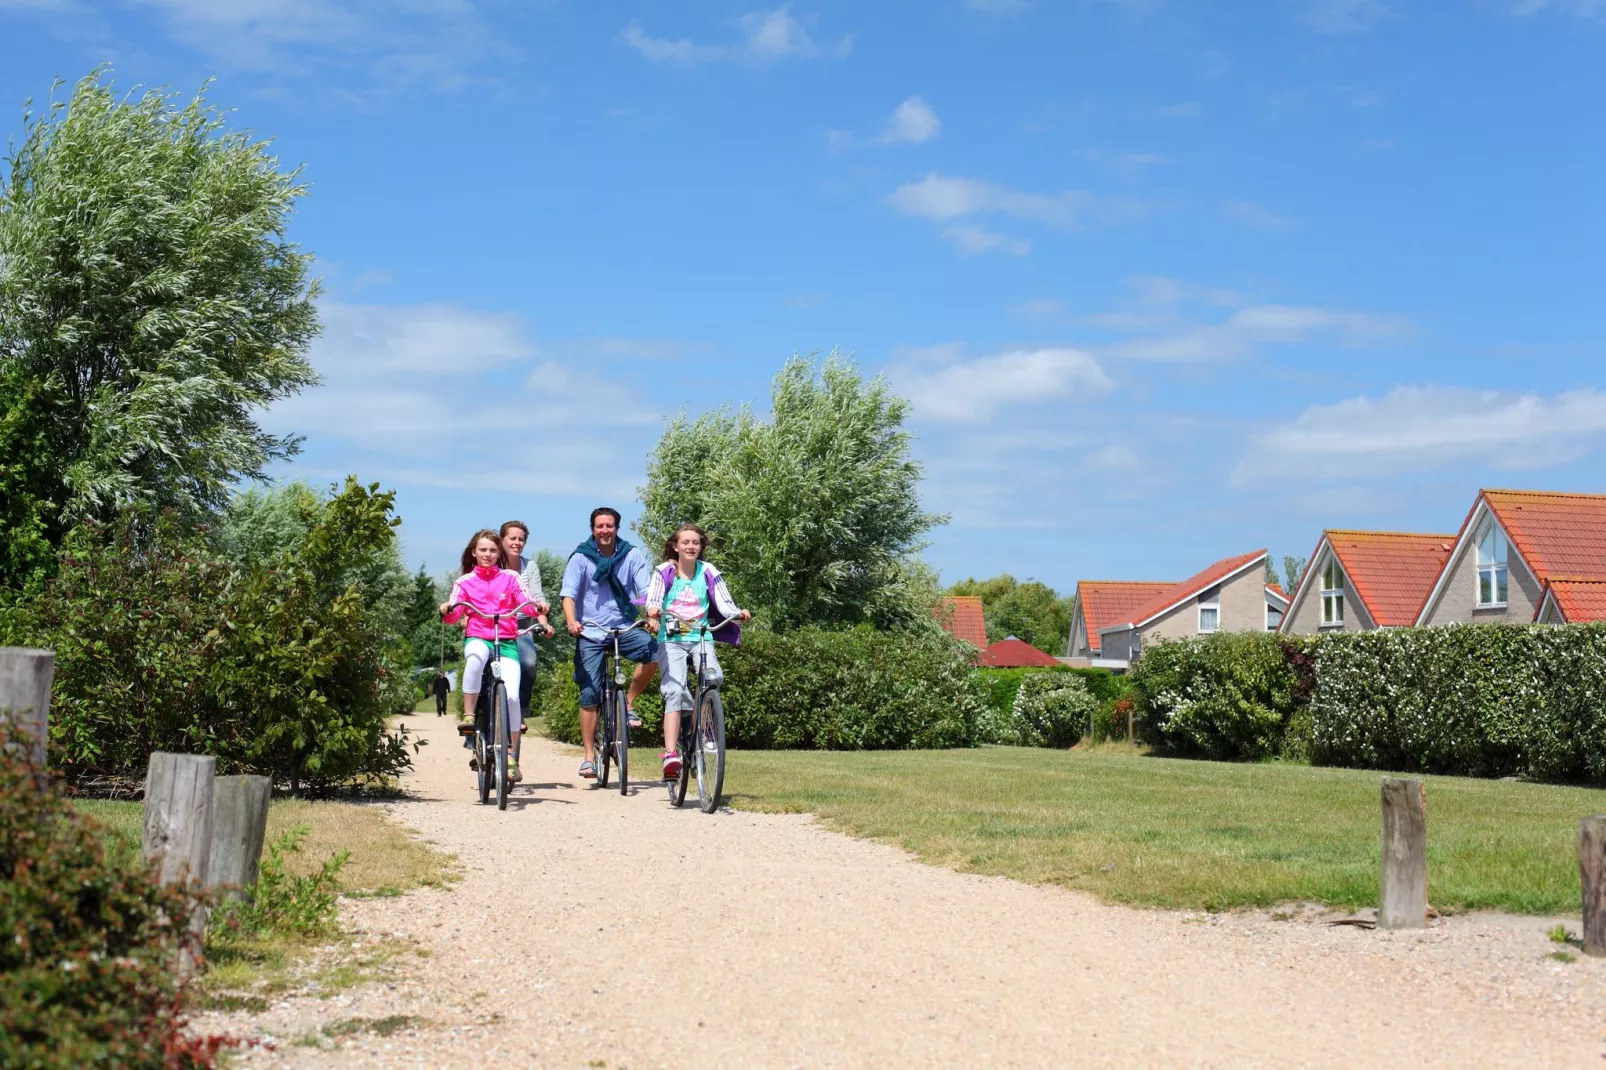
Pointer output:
x,y
1293,572
814,513
1032,612
150,305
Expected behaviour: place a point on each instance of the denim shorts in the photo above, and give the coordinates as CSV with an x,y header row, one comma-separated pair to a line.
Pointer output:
x,y
636,645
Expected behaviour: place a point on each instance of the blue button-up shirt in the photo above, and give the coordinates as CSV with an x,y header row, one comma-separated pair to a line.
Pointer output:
x,y
594,601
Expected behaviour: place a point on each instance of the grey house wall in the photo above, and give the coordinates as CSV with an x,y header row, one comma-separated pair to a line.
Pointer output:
x,y
1457,600
1305,615
1243,609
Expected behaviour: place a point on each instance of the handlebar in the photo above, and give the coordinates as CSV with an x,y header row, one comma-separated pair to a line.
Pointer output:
x,y
497,618
610,632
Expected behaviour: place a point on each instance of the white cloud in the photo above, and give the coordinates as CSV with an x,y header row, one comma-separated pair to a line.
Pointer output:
x,y
1253,215
1346,16
1039,308
763,35
1424,427
1256,325
946,387
1115,459
912,121
972,240
944,199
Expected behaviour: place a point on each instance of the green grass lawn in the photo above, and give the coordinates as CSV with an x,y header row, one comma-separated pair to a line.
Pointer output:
x,y
1168,833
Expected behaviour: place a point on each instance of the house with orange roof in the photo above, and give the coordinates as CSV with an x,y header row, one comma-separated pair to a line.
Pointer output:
x,y
1013,653
1230,595
963,617
1360,580
1518,552
1099,604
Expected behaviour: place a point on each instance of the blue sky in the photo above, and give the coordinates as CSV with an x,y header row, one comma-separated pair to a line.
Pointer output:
x,y
1164,282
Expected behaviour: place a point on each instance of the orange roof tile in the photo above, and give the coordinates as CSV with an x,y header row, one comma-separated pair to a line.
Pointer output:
x,y
1277,589
1391,572
1104,603
1015,653
1579,600
1189,587
1557,533
963,617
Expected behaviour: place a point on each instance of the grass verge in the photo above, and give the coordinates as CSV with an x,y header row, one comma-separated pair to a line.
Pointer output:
x,y
1181,834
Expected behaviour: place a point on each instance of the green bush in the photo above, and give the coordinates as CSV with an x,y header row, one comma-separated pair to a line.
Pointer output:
x,y
1051,710
1230,695
1002,684
827,689
281,902
1481,700
287,665
90,938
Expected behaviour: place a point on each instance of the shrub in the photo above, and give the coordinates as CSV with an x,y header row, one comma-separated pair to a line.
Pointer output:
x,y
1051,710
1002,684
85,968
1224,696
828,689
281,902
1483,700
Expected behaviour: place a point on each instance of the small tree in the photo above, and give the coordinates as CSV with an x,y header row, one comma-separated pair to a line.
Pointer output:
x,y
1032,612
150,306
814,513
1293,571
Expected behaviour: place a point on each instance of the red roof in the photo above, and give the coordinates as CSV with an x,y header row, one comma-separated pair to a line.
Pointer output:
x,y
1391,572
1015,653
1556,533
1105,603
1579,600
1188,588
1277,589
962,615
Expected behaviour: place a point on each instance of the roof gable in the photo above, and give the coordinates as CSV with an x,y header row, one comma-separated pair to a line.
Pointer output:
x,y
1557,533
1166,600
1015,653
964,618
1104,603
1391,572
1579,600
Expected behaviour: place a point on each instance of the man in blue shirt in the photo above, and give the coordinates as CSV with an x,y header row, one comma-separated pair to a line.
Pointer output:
x,y
603,583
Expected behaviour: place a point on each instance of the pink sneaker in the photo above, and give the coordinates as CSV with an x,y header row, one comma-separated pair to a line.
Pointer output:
x,y
671,764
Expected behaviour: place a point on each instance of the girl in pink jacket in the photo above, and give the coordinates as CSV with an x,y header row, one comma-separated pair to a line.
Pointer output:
x,y
491,589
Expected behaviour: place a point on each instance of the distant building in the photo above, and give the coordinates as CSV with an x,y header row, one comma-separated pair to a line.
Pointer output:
x,y
1015,653
1099,604
1228,596
963,617
1359,580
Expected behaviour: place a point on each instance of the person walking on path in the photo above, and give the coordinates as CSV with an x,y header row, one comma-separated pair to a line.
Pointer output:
x,y
514,535
604,581
441,687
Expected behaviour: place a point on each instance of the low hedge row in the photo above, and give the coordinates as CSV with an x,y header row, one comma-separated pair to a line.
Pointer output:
x,y
1478,700
825,689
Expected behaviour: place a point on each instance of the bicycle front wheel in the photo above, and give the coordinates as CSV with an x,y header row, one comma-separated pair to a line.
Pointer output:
x,y
499,713
484,750
710,757
677,786
604,738
621,741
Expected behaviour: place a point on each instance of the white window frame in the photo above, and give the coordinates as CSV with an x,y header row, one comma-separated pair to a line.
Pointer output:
x,y
1270,609
1333,594
1495,571
1214,606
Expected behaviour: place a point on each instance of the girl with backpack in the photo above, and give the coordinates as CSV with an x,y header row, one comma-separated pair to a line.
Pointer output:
x,y
682,590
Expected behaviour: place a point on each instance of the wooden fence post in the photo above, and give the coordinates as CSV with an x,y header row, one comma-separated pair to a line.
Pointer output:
x,y
1403,887
1592,868
239,825
25,679
178,815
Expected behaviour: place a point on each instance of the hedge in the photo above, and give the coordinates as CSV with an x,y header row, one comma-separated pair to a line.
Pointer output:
x,y
826,689
1479,700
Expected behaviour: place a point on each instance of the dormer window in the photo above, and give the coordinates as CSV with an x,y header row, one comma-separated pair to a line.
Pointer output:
x,y
1332,595
1210,610
1492,574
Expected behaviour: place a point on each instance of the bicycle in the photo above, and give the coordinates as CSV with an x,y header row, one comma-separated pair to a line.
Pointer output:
x,y
702,735
613,716
489,728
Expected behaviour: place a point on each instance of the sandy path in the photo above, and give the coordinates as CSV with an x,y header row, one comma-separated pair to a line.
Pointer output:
x,y
822,950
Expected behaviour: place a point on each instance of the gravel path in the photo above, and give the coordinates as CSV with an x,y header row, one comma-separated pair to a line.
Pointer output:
x,y
576,938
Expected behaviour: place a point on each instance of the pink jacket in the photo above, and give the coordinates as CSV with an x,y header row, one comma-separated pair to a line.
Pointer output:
x,y
490,590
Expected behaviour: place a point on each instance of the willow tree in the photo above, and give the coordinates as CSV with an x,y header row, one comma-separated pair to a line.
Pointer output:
x,y
150,305
813,513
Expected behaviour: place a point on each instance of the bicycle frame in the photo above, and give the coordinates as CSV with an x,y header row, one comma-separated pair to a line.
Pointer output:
x,y
485,730
607,735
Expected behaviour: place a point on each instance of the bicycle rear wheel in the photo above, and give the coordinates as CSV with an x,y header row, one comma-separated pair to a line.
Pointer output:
x,y
621,733
604,737
499,714
710,756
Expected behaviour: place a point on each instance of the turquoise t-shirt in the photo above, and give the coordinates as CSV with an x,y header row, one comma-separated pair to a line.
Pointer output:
x,y
686,599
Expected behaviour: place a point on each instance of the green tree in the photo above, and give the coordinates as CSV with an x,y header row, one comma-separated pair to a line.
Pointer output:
x,y
150,306
814,513
1032,612
1293,572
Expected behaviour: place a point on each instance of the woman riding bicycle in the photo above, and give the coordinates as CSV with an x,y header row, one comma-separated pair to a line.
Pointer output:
x,y
489,589
682,589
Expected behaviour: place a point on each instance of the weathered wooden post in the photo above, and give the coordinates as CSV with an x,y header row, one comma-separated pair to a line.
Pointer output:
x,y
178,815
25,679
1402,901
1592,868
239,825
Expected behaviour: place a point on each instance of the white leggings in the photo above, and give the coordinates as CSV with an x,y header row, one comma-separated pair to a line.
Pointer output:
x,y
475,653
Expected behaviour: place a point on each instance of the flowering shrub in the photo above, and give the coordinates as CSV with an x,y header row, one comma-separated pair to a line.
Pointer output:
x,y
1051,710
